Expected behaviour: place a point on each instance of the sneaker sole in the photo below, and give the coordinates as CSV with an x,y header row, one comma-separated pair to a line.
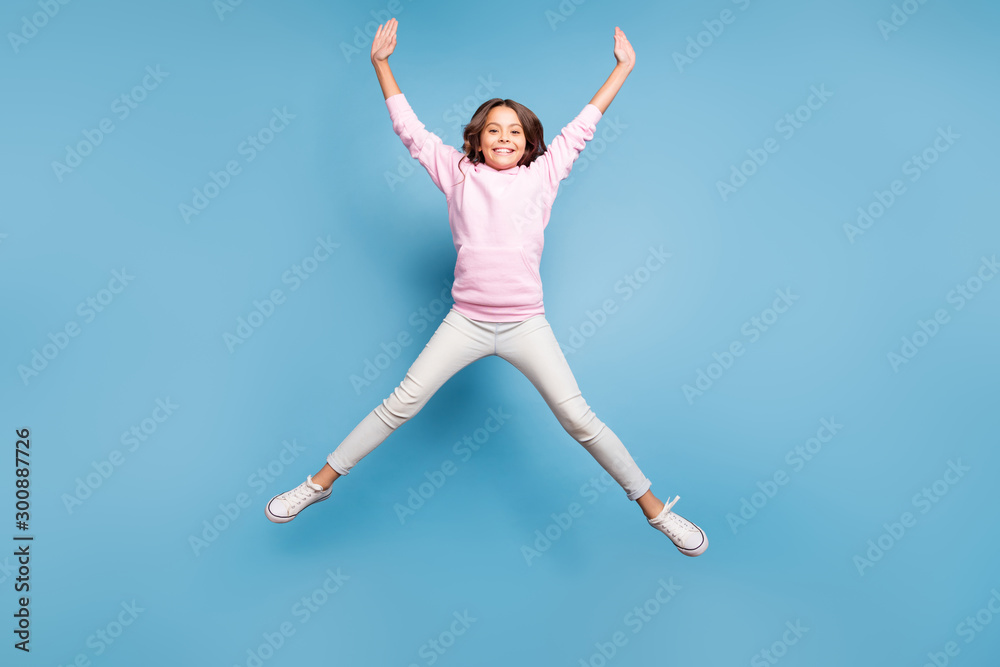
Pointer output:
x,y
285,519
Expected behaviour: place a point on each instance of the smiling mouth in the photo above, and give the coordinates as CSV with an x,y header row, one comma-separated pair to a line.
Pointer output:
x,y
503,151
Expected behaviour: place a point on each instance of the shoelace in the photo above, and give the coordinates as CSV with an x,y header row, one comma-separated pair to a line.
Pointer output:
x,y
672,524
300,493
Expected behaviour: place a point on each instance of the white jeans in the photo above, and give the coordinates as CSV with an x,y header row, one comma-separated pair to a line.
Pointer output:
x,y
531,347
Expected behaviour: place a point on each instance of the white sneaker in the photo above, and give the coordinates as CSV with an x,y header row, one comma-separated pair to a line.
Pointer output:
x,y
689,539
285,506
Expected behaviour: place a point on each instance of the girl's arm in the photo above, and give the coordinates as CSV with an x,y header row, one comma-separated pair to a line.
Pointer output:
x,y
440,160
383,45
557,161
625,56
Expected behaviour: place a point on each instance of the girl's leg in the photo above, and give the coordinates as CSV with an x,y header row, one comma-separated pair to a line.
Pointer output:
x,y
457,342
532,348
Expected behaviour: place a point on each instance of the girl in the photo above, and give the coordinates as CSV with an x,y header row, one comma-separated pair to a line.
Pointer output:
x,y
500,193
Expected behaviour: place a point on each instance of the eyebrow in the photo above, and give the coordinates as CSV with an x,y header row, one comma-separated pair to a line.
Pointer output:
x,y
493,122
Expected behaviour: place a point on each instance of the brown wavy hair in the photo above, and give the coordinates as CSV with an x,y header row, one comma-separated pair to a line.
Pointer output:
x,y
534,136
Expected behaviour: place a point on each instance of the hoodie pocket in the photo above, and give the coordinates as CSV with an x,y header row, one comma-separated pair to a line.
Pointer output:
x,y
496,276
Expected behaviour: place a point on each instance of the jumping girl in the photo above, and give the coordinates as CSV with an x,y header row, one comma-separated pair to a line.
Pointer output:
x,y
500,191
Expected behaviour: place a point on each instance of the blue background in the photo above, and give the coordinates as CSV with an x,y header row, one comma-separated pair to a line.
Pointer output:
x,y
652,183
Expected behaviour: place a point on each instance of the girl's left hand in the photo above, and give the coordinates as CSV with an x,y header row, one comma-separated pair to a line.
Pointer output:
x,y
623,49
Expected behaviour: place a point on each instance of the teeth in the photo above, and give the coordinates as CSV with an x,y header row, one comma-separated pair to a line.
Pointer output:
x,y
502,150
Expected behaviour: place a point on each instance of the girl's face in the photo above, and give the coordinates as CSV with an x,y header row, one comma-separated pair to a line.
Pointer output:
x,y
502,139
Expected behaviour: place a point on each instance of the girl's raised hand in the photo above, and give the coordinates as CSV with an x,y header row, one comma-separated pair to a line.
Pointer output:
x,y
623,49
385,40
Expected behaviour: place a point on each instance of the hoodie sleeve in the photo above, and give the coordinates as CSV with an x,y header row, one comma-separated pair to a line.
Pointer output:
x,y
440,160
557,161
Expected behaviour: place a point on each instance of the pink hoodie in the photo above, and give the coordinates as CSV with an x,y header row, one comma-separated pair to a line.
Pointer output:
x,y
497,217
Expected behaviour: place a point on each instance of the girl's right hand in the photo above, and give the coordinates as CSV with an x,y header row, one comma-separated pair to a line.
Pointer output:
x,y
385,40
